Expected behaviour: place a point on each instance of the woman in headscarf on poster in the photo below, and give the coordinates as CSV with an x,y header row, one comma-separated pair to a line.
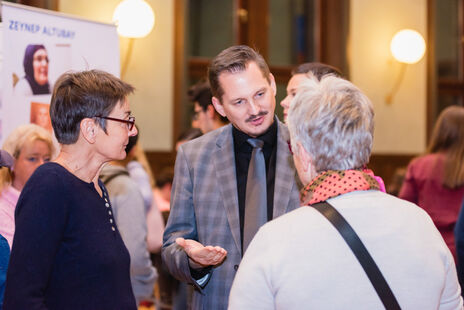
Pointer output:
x,y
35,81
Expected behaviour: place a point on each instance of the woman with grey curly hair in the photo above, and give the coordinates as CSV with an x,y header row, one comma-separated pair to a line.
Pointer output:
x,y
331,125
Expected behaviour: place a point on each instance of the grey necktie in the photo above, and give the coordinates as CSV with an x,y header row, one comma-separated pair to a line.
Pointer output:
x,y
255,198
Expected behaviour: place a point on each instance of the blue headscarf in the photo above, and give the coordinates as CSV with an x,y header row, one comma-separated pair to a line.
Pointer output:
x,y
29,70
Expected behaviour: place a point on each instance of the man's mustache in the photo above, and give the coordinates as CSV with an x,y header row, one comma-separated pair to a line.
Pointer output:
x,y
253,117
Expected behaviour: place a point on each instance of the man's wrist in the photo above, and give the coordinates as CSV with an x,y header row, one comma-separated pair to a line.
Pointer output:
x,y
194,265
198,271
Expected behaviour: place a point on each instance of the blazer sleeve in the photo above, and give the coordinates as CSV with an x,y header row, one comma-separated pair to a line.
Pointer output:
x,y
41,216
181,222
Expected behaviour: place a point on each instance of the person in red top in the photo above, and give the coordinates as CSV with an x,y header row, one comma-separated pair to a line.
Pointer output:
x,y
435,181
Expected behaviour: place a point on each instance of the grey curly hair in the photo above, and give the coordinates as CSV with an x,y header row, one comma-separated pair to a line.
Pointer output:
x,y
334,121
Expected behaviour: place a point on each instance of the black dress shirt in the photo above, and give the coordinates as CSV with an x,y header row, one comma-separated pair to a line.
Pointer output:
x,y
243,150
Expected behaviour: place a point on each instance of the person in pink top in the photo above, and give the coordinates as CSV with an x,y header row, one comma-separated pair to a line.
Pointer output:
x,y
435,181
31,146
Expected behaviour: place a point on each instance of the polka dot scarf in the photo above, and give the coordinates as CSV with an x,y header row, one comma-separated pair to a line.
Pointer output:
x,y
333,183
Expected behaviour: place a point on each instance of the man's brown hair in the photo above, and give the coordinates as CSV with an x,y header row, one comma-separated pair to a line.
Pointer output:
x,y
318,69
234,59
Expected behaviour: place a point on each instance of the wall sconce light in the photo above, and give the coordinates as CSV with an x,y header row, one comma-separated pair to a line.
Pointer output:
x,y
407,47
134,19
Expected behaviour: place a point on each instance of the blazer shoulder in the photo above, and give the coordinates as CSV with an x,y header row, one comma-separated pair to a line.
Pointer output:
x,y
282,131
208,140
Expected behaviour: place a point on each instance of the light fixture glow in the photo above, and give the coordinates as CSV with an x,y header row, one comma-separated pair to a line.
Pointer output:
x,y
408,46
134,18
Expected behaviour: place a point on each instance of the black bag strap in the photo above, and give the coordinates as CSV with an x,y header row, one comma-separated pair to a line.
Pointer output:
x,y
107,180
359,250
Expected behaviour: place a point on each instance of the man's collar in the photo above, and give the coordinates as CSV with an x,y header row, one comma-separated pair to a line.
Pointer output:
x,y
269,137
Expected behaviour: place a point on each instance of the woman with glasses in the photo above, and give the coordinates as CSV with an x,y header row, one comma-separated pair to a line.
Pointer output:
x,y
35,81
67,251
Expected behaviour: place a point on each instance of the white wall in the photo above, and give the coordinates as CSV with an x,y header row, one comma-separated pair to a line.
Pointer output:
x,y
150,69
401,126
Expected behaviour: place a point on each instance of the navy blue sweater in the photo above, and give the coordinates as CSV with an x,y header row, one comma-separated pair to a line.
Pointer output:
x,y
67,252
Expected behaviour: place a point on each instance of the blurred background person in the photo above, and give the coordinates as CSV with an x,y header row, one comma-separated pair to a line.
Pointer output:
x,y
31,146
205,115
140,172
435,181
67,251
162,191
35,63
299,74
130,215
331,125
6,160
394,187
139,169
174,294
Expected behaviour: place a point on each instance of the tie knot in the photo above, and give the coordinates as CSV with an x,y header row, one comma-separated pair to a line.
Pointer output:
x,y
255,143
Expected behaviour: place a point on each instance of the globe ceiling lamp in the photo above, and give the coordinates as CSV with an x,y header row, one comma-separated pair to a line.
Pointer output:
x,y
407,47
134,19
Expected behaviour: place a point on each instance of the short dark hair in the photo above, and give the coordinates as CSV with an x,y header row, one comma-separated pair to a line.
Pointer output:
x,y
84,94
317,69
201,92
165,176
234,59
189,134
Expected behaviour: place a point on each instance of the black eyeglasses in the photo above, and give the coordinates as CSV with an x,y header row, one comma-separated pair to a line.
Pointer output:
x,y
129,122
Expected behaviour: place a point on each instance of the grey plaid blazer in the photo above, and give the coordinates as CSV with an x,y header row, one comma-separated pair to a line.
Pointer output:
x,y
204,207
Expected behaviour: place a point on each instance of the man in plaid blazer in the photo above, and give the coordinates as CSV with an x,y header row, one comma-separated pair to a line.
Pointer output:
x,y
203,237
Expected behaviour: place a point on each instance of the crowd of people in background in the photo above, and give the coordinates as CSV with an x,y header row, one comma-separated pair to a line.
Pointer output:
x,y
253,214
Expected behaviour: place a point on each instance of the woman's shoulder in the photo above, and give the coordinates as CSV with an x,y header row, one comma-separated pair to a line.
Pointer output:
x,y
426,165
50,167
428,159
51,174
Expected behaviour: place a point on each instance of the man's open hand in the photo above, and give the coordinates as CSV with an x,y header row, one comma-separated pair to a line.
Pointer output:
x,y
202,256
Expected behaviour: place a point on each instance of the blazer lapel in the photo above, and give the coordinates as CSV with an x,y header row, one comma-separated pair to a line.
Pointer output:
x,y
224,161
285,175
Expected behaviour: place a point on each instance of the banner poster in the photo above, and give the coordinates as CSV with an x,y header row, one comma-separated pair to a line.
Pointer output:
x,y
38,46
